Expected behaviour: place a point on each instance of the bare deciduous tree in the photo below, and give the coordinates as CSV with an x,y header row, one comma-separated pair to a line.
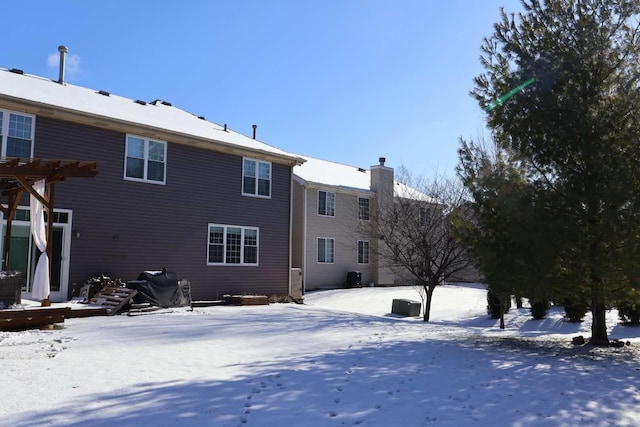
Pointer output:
x,y
417,233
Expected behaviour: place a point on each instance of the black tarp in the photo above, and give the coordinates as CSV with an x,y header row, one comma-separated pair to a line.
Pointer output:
x,y
161,288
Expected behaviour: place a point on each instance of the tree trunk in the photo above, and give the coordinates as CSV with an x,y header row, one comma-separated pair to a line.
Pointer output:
x,y
599,326
502,318
518,301
428,290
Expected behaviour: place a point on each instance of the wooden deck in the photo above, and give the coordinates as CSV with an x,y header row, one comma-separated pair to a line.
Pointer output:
x,y
33,317
16,319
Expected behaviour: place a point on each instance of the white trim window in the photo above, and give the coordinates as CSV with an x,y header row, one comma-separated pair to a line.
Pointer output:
x,y
363,209
326,203
256,178
16,134
232,245
145,160
326,250
363,252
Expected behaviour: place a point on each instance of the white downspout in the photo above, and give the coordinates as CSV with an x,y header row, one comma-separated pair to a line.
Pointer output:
x,y
290,225
304,244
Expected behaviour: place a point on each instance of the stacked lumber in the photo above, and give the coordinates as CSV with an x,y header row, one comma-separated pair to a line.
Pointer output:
x,y
113,298
247,299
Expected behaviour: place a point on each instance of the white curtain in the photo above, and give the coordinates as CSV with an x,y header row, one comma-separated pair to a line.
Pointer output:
x,y
41,288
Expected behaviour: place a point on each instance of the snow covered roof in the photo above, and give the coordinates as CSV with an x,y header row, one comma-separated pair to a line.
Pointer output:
x,y
155,116
338,175
333,174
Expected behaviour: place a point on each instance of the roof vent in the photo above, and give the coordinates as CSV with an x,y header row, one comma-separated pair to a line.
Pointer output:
x,y
16,71
63,51
104,92
382,160
160,101
201,118
225,127
361,170
254,130
141,102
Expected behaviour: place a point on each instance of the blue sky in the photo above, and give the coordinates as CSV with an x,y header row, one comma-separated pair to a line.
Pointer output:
x,y
342,80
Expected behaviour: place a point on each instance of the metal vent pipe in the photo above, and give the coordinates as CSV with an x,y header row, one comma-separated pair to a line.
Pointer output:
x,y
63,50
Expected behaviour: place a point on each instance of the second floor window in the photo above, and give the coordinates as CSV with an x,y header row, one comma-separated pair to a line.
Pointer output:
x,y
16,133
363,209
326,203
145,160
256,178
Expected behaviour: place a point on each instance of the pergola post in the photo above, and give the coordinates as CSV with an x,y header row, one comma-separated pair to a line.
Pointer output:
x,y
49,209
17,176
9,213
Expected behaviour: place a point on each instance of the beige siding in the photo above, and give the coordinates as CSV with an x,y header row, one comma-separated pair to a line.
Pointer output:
x,y
346,229
297,244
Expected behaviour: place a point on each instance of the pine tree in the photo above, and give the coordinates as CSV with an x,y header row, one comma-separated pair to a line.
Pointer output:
x,y
571,117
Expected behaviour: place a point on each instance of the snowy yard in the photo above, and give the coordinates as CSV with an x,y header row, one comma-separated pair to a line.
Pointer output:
x,y
339,360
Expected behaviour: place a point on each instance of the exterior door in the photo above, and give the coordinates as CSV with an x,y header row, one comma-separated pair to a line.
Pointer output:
x,y
23,253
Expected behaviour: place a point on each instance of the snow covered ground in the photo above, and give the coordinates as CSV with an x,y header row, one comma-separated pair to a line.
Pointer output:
x,y
339,360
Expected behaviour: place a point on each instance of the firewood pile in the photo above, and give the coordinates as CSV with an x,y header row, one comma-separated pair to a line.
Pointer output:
x,y
112,294
96,284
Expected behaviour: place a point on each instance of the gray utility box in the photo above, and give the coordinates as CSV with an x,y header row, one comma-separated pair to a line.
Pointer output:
x,y
405,307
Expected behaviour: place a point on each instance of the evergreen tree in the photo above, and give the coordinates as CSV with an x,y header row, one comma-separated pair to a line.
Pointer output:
x,y
571,118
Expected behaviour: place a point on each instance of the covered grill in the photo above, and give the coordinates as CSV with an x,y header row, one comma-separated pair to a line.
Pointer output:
x,y
161,288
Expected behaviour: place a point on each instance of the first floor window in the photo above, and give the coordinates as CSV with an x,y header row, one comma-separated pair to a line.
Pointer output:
x,y
145,160
16,134
256,178
326,203
232,244
326,251
363,252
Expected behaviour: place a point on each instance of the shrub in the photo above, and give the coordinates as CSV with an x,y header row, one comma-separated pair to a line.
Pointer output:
x,y
539,308
496,305
575,311
629,313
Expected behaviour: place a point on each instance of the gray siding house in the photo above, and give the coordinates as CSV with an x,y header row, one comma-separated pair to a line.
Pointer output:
x,y
173,190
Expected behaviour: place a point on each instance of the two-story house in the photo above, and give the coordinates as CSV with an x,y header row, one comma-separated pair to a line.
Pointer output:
x,y
333,204
173,190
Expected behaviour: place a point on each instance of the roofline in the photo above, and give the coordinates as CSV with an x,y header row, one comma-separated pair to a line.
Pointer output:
x,y
337,188
105,122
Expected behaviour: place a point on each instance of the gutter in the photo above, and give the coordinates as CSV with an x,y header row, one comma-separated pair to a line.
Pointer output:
x,y
118,125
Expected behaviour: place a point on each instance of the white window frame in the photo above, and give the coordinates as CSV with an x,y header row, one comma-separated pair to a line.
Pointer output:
x,y
145,159
332,252
4,131
361,207
243,245
257,164
329,208
363,252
